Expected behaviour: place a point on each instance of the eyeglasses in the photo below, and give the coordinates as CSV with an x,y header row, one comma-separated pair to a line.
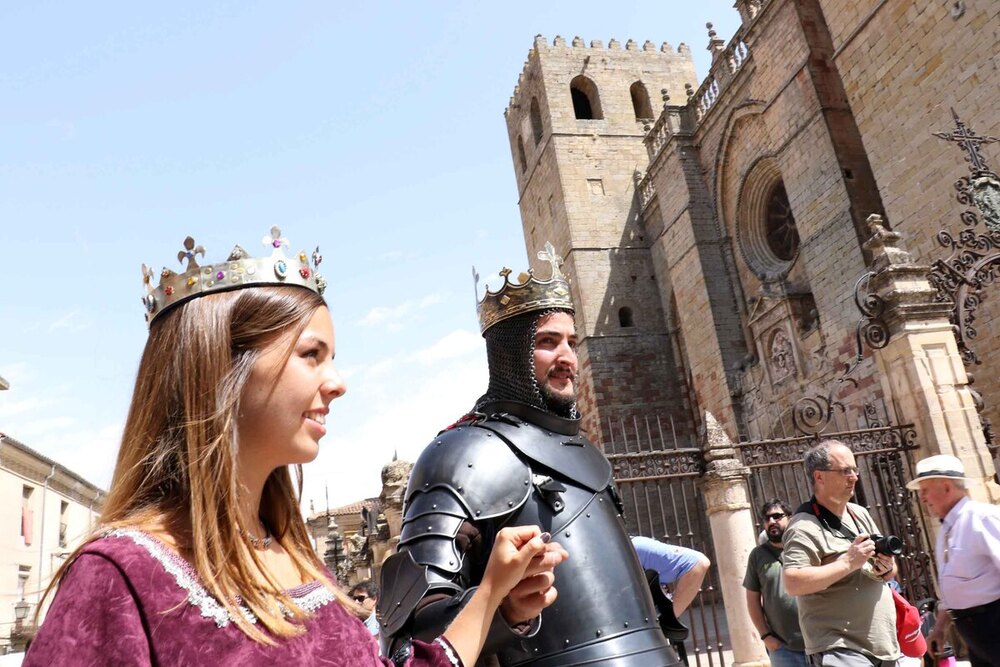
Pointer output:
x,y
846,472
359,598
777,516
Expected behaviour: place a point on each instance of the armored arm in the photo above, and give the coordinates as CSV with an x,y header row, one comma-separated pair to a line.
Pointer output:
x,y
462,488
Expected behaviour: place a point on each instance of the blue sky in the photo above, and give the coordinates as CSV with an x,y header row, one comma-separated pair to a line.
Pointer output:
x,y
374,130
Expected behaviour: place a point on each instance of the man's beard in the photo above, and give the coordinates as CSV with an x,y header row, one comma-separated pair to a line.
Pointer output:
x,y
558,404
775,539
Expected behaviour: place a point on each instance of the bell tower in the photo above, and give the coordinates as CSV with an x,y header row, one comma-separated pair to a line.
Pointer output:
x,y
576,126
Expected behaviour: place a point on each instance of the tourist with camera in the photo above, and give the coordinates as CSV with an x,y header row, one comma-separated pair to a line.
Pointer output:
x,y
836,564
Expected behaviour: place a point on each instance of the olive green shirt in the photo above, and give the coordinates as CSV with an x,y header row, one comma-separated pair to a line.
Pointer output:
x,y
856,612
764,576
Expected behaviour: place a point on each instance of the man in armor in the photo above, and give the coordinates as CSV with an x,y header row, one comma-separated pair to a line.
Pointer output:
x,y
518,458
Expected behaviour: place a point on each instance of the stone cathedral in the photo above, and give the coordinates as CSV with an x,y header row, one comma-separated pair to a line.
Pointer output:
x,y
714,228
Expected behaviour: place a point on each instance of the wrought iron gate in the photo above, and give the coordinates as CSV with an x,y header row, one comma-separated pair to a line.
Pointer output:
x,y
882,449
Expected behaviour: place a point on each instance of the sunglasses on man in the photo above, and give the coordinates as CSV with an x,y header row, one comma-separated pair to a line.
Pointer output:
x,y
774,516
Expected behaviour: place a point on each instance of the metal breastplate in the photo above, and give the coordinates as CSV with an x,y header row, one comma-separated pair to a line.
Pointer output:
x,y
604,613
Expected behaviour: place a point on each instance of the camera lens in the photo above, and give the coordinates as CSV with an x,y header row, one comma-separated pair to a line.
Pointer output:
x,y
890,545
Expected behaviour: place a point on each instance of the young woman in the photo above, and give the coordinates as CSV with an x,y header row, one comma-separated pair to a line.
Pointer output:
x,y
201,556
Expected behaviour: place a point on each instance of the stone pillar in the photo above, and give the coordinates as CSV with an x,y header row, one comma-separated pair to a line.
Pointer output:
x,y
920,366
730,517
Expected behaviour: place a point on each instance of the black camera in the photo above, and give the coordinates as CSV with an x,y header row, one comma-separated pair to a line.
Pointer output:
x,y
890,545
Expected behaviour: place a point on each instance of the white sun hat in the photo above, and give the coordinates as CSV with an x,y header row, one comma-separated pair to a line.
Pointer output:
x,y
941,466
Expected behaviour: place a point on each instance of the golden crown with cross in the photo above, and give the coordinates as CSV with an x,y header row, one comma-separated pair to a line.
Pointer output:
x,y
238,271
527,295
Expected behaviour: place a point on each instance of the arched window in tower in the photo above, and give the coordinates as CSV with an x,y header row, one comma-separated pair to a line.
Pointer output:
x,y
625,317
640,101
586,100
520,154
536,121
780,231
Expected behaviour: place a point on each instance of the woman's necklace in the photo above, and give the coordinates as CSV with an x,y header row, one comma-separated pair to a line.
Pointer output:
x,y
260,542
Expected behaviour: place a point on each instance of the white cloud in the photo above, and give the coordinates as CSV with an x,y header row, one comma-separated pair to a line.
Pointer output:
x,y
393,316
458,343
11,408
71,322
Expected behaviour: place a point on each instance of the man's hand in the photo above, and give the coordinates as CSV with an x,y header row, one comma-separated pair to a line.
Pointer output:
x,y
860,551
535,591
882,565
772,643
938,636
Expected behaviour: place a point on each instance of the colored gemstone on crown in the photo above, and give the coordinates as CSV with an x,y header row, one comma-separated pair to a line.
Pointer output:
x,y
304,272
280,268
168,290
220,275
276,243
303,257
191,281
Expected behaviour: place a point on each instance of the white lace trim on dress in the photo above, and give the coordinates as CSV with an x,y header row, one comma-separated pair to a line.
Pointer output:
x,y
309,597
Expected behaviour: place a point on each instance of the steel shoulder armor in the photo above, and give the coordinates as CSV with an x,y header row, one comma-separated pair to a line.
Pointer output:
x,y
464,483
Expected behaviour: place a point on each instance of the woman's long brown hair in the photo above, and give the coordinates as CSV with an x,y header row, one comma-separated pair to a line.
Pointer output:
x,y
176,467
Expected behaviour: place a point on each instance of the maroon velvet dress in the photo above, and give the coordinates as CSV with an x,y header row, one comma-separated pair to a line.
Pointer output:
x,y
130,600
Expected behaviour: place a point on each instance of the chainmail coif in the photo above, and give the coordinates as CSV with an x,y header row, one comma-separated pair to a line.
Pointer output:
x,y
510,348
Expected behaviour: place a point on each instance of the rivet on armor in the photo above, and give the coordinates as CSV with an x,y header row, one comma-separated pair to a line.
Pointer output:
x,y
646,619
459,489
626,624
451,562
566,642
567,533
478,512
430,528
434,506
526,482
588,515
510,503
598,633
470,464
426,485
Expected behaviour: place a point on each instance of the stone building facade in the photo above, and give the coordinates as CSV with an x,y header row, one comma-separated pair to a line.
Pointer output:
x,y
368,530
48,511
713,233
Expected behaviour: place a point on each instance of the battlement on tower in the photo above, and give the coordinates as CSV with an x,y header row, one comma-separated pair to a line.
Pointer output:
x,y
578,48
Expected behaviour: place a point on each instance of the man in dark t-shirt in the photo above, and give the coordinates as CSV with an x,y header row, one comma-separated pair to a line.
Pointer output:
x,y
773,611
